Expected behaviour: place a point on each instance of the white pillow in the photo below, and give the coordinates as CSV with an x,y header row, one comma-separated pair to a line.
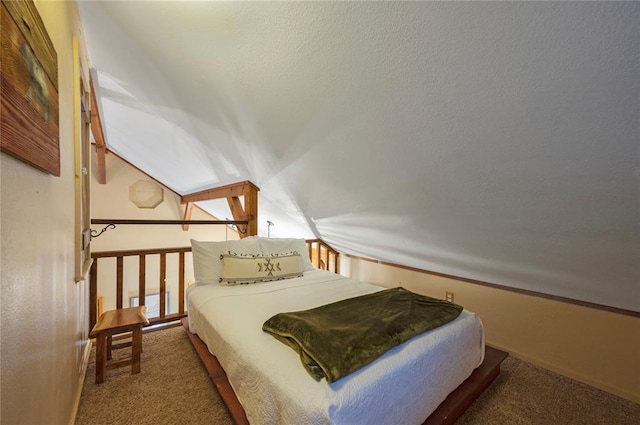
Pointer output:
x,y
246,269
274,246
207,264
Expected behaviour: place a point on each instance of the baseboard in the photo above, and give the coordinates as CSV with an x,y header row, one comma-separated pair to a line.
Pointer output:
x,y
83,374
572,375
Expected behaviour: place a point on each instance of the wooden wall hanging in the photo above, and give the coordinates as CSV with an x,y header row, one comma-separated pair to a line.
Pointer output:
x,y
28,88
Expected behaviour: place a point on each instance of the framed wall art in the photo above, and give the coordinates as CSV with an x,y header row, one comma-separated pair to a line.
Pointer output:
x,y
29,112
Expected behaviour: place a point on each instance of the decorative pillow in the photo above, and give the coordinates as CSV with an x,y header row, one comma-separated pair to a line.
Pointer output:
x,y
207,265
271,246
243,269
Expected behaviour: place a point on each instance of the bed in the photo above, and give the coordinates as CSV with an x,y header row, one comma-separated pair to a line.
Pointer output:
x,y
403,386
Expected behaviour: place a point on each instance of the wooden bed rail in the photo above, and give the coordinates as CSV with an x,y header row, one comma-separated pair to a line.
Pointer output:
x,y
322,256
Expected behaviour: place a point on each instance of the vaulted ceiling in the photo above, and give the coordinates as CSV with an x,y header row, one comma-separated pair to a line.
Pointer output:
x,y
495,141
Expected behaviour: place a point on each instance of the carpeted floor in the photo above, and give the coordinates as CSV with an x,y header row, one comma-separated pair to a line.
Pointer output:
x,y
173,388
524,394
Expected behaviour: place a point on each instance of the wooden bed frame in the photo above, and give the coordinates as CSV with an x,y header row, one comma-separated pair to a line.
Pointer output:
x,y
447,413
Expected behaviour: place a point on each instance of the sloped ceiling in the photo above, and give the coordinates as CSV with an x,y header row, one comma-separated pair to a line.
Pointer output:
x,y
495,141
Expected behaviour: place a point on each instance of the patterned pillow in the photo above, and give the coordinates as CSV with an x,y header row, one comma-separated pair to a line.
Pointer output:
x,y
269,246
207,265
245,269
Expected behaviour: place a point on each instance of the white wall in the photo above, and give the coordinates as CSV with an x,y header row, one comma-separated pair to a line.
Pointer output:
x,y
492,140
44,331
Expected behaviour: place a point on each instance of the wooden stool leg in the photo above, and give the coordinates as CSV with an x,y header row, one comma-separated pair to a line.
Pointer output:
x,y
136,349
109,344
101,357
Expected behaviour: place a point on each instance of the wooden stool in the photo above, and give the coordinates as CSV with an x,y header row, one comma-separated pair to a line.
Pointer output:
x,y
115,322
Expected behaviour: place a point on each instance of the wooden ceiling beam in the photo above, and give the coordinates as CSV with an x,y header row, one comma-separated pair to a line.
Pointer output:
x,y
98,136
187,215
232,193
229,190
251,212
237,211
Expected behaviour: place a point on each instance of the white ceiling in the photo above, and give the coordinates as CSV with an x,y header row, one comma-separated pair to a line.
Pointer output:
x,y
495,141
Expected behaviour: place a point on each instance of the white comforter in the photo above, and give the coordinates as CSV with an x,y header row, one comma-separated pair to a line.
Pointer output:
x,y
402,387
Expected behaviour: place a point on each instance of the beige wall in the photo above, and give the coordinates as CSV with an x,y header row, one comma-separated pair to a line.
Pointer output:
x,y
111,200
593,346
44,335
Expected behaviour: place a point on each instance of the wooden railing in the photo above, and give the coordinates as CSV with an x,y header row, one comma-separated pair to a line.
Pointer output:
x,y
322,256
142,281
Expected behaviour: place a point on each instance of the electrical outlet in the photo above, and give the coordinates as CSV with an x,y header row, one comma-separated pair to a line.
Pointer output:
x,y
449,296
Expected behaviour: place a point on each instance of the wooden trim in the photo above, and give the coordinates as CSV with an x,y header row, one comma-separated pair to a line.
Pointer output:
x,y
506,288
98,135
130,252
446,414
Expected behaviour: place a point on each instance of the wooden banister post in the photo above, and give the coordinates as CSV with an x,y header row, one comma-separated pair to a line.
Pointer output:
x,y
181,283
251,209
119,281
163,284
142,279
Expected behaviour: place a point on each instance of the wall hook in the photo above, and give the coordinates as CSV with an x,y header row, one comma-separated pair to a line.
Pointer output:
x,y
95,234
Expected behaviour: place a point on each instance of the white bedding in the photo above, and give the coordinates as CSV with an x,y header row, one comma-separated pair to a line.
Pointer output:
x,y
404,386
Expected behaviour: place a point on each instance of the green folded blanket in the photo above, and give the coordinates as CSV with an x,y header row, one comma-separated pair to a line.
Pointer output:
x,y
337,339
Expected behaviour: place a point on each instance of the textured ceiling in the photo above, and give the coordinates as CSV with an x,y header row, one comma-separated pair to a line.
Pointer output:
x,y
494,141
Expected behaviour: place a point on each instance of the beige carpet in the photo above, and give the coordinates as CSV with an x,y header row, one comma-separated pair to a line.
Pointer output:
x,y
173,388
527,394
